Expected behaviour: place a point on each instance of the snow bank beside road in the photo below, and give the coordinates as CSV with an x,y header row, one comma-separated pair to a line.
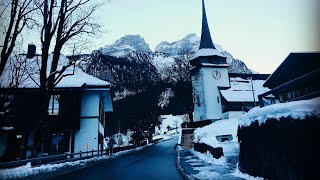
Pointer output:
x,y
295,109
239,174
208,135
207,157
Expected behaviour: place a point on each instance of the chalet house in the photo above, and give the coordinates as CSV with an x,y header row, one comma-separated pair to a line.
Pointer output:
x,y
79,108
297,78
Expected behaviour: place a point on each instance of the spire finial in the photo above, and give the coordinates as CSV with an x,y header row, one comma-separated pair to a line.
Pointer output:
x,y
206,41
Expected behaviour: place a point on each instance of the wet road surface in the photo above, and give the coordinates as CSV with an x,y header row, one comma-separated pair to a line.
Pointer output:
x,y
155,162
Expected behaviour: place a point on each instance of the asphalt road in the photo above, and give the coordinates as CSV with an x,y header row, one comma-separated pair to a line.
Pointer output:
x,y
155,162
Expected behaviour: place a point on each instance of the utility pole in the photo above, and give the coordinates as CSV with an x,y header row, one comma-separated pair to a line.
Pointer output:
x,y
254,99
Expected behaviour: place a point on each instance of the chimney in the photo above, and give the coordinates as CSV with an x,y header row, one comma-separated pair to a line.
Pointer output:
x,y
31,51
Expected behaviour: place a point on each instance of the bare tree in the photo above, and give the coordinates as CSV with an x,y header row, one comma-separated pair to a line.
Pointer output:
x,y
62,21
14,15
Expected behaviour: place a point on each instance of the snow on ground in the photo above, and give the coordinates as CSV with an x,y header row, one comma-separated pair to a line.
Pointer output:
x,y
28,170
119,139
207,157
162,136
171,121
208,135
239,174
295,109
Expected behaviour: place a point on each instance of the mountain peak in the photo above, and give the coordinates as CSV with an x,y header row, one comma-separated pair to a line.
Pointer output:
x,y
125,45
188,44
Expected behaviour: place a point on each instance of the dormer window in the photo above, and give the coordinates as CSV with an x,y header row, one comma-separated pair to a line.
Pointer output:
x,y
54,105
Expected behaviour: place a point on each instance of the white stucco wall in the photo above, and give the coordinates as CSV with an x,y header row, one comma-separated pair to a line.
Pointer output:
x,y
197,88
88,133
207,88
211,92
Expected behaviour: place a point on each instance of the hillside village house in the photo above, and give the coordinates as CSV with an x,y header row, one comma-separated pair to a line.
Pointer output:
x,y
78,111
289,83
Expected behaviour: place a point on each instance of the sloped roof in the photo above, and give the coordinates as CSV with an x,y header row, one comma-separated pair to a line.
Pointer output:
x,y
29,78
294,66
241,90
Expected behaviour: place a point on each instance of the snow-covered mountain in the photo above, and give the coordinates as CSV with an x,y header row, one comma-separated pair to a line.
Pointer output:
x,y
189,45
165,54
186,46
133,68
125,45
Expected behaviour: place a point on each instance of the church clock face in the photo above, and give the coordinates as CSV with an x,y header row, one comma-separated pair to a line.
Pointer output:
x,y
216,74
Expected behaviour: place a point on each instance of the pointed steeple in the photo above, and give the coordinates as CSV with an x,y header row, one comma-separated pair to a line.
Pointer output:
x,y
206,41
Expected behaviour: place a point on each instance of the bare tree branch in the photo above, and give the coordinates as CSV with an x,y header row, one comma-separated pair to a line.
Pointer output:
x,y
19,10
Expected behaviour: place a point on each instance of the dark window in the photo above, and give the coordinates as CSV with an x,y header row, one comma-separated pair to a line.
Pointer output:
x,y
54,105
59,142
218,99
101,115
198,100
224,139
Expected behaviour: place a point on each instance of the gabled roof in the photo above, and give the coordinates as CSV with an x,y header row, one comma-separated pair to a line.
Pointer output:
x,y
241,90
294,66
29,77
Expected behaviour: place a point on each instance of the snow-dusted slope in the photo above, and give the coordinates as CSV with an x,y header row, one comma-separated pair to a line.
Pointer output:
x,y
186,46
189,45
125,45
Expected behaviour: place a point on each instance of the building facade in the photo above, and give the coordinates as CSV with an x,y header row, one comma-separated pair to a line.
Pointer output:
x,y
289,83
78,111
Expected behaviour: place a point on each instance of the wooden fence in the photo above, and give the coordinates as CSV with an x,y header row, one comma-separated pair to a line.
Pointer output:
x,y
281,149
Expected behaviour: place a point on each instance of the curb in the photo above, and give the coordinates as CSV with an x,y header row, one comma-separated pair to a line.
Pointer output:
x,y
181,170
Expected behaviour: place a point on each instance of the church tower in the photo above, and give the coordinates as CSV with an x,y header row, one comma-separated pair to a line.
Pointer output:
x,y
209,74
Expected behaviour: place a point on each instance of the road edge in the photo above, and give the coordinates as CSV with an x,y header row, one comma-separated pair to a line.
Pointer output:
x,y
180,169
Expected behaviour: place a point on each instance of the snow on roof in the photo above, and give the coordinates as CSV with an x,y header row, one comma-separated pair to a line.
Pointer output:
x,y
207,52
294,109
214,65
29,77
79,79
241,90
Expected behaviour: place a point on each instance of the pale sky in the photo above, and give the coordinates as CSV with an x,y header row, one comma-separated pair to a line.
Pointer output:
x,y
260,33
